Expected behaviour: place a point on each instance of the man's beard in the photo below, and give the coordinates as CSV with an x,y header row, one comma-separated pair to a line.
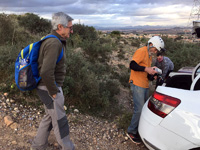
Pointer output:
x,y
152,54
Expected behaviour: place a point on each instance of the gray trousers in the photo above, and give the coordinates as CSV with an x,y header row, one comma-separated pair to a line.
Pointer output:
x,y
55,118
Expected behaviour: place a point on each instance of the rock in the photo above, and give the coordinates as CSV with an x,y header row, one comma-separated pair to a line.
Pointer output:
x,y
114,126
4,104
16,109
7,100
5,94
76,110
126,138
8,120
14,126
56,144
12,101
14,142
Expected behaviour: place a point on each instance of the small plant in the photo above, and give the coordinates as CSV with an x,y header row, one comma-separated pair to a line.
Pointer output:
x,y
121,54
135,43
124,120
115,34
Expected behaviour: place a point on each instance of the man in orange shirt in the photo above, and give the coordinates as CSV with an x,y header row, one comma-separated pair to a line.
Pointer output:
x,y
140,67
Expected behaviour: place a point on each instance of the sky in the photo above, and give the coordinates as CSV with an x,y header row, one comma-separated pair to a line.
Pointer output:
x,y
109,13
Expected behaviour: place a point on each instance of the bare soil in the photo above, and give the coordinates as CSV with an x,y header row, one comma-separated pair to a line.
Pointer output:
x,y
86,132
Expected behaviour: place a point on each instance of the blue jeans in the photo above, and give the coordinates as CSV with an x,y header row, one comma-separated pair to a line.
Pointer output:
x,y
140,95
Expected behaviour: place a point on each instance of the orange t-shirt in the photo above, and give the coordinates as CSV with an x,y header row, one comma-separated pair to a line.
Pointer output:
x,y
141,57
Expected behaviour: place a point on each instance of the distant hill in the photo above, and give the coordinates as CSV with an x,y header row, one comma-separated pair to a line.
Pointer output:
x,y
146,29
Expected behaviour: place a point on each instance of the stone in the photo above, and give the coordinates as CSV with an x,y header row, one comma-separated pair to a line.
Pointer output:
x,y
76,110
8,120
5,94
14,126
126,138
14,142
12,101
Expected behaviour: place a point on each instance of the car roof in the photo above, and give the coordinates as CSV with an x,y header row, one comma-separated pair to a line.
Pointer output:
x,y
186,70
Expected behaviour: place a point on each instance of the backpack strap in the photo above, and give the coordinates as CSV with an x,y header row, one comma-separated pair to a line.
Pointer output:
x,y
60,56
50,36
53,36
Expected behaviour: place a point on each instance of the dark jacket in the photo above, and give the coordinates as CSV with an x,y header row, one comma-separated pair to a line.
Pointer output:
x,y
166,65
52,74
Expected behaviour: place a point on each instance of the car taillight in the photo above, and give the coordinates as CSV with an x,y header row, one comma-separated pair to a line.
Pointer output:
x,y
162,104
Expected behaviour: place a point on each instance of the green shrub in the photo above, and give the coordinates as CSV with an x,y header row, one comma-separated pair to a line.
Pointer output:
x,y
34,24
125,41
144,40
115,34
6,29
121,54
182,54
84,87
85,32
124,120
135,43
105,40
123,75
95,51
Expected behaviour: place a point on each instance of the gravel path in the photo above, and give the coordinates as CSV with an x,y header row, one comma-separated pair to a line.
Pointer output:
x,y
18,126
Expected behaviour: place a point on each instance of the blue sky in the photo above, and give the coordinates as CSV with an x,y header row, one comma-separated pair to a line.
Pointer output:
x,y
108,13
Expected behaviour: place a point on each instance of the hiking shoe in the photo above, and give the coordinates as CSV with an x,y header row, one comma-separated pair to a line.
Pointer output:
x,y
135,138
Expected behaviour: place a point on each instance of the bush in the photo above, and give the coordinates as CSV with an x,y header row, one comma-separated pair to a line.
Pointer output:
x,y
6,29
85,32
34,24
121,54
95,51
182,54
122,75
135,43
123,121
105,40
84,87
115,34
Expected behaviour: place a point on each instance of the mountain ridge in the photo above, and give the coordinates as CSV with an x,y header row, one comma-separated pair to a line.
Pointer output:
x,y
140,27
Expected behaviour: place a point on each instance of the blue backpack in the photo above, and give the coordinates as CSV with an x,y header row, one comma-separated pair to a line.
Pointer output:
x,y
26,65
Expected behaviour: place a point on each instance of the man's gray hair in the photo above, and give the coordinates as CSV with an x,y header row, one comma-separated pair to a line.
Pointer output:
x,y
60,18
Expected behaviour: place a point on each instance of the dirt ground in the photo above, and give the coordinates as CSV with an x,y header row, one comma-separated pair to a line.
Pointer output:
x,y
86,132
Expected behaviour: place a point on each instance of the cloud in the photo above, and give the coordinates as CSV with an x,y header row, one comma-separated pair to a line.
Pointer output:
x,y
34,3
107,12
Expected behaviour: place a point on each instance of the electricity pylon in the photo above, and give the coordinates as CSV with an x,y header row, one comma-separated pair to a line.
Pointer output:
x,y
195,13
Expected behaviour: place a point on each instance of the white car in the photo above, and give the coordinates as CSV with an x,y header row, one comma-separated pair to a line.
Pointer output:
x,y
170,118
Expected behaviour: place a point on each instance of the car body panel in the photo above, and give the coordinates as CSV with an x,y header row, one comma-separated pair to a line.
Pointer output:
x,y
178,130
154,136
186,115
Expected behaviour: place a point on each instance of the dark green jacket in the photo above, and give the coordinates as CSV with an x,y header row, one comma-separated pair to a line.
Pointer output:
x,y
52,74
